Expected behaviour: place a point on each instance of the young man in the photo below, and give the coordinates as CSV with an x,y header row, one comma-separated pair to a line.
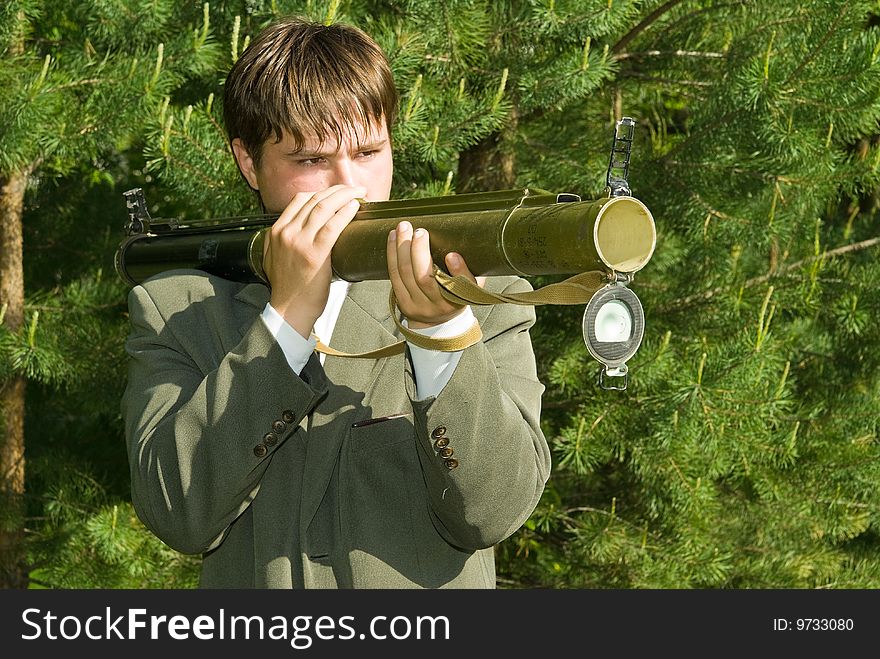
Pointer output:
x,y
284,468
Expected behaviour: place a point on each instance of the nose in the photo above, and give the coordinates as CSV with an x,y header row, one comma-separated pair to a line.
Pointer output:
x,y
343,172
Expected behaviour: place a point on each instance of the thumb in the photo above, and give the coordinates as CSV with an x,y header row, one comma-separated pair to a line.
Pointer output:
x,y
456,266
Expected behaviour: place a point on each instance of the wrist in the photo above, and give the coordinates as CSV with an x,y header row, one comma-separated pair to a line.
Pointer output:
x,y
302,321
456,324
421,324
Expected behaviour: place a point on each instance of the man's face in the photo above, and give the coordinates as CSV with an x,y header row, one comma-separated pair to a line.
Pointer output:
x,y
363,158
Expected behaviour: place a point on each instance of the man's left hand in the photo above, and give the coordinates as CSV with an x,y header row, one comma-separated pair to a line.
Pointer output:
x,y
411,270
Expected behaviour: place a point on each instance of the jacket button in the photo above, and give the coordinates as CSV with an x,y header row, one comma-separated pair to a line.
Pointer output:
x,y
451,463
446,452
270,439
287,416
443,442
439,431
279,426
260,450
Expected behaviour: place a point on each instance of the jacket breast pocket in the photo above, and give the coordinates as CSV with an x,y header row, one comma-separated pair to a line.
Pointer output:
x,y
377,433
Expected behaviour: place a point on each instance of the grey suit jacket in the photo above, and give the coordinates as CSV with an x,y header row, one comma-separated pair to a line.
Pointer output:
x,y
287,481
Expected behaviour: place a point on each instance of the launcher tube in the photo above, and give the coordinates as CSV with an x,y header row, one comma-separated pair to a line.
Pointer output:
x,y
498,233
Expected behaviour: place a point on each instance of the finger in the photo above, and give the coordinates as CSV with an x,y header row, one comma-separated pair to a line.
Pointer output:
x,y
457,266
324,204
393,269
307,229
300,207
290,211
328,234
423,266
411,291
288,215
289,224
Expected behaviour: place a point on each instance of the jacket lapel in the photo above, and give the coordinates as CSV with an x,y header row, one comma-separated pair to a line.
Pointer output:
x,y
364,324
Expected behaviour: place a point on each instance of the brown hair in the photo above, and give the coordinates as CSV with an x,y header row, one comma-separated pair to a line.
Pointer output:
x,y
306,79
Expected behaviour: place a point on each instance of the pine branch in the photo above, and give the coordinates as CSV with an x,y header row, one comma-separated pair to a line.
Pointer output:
x,y
706,295
700,130
78,83
644,25
672,53
665,81
816,49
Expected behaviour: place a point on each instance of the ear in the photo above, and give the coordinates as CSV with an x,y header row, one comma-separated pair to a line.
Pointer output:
x,y
245,163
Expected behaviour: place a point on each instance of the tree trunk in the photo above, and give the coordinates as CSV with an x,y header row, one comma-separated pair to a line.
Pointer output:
x,y
490,164
12,571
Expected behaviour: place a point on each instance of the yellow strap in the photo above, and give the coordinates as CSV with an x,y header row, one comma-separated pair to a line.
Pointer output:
x,y
450,344
461,290
387,351
577,289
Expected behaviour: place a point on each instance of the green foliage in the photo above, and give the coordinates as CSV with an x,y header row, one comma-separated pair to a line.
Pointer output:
x,y
188,150
87,541
77,82
744,453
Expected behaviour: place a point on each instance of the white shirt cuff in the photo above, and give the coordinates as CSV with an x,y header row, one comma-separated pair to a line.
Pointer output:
x,y
296,349
434,368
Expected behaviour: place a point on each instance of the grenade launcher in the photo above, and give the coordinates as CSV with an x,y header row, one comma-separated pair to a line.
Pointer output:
x,y
510,232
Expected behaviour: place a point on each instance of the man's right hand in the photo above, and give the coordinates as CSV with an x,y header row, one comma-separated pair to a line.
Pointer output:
x,y
296,252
